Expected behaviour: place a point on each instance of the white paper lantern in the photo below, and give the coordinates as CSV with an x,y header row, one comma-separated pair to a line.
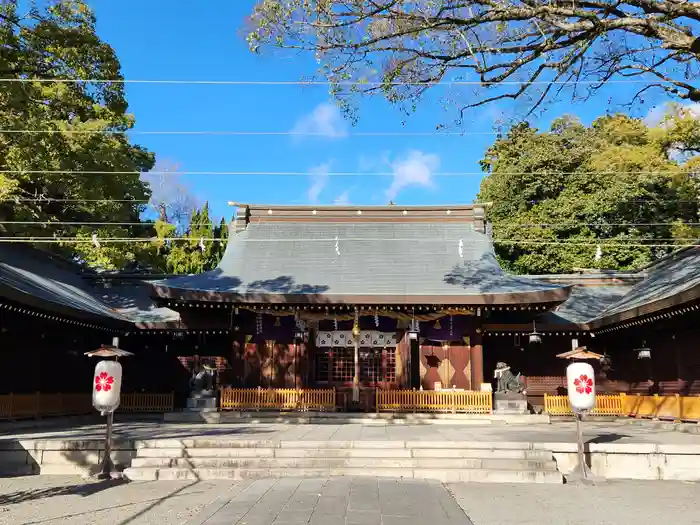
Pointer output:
x,y
106,386
580,380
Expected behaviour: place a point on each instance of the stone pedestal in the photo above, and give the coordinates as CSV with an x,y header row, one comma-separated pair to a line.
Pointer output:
x,y
202,402
509,403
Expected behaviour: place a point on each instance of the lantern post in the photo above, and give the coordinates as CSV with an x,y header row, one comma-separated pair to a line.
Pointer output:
x,y
580,379
106,390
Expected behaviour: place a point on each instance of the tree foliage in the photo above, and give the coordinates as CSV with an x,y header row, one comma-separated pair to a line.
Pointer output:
x,y
197,253
618,184
53,129
512,44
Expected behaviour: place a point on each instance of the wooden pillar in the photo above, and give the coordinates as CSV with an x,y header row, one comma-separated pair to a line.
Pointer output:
x,y
476,355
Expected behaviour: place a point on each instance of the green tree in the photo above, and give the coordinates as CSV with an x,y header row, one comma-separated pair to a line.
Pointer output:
x,y
56,131
197,252
618,184
399,48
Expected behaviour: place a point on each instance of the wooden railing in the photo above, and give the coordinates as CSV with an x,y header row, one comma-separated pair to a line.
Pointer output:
x,y
676,407
146,402
278,399
448,401
605,405
23,406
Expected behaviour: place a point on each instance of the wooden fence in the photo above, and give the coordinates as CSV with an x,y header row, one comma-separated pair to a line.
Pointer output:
x,y
676,407
147,402
448,401
278,399
23,406
605,405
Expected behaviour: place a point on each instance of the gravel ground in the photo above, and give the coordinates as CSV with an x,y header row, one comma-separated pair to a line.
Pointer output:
x,y
50,500
607,503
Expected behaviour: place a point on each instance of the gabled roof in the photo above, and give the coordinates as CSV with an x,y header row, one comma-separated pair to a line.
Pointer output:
x,y
133,301
593,291
379,255
670,282
585,303
39,280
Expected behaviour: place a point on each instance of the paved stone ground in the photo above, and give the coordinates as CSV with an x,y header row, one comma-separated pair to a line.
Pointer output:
x,y
560,432
349,501
608,503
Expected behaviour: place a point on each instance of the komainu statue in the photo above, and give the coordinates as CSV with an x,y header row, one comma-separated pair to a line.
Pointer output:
x,y
507,382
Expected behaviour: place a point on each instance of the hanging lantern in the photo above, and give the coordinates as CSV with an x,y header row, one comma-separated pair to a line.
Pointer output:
x,y
106,386
580,382
644,352
534,337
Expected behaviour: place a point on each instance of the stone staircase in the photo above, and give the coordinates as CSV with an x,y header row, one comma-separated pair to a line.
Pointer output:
x,y
446,461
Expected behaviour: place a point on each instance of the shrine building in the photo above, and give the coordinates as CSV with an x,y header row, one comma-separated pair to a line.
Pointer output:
x,y
357,299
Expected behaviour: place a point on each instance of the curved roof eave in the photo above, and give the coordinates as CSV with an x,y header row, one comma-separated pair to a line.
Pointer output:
x,y
551,295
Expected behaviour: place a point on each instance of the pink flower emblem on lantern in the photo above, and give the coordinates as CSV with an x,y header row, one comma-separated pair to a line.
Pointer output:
x,y
103,382
584,384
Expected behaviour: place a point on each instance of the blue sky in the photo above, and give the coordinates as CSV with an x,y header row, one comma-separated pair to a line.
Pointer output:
x,y
155,39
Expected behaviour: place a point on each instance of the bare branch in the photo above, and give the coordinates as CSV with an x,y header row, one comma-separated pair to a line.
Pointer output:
x,y
509,46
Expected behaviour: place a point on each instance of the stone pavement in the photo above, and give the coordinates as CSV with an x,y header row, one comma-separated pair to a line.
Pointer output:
x,y
560,432
336,501
59,500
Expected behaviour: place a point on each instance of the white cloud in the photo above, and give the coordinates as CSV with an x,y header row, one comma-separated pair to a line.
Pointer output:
x,y
656,114
325,120
319,180
415,169
343,199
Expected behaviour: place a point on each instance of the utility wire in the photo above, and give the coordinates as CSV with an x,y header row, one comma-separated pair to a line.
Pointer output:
x,y
524,225
341,173
50,199
354,206
323,82
331,241
244,133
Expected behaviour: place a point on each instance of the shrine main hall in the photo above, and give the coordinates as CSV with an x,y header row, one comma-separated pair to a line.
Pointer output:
x,y
357,299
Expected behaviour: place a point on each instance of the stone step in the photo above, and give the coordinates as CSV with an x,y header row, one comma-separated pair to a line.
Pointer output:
x,y
334,463
304,444
443,475
259,452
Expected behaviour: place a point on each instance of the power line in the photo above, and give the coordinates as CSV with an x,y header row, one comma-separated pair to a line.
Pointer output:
x,y
524,225
340,173
247,133
324,82
354,206
79,240
50,199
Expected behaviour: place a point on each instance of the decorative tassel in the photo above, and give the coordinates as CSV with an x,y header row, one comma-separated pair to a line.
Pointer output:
x,y
278,323
437,325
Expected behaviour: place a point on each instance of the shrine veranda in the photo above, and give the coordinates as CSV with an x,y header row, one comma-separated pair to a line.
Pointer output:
x,y
352,300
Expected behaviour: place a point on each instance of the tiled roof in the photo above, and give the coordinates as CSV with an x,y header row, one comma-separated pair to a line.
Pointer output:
x,y
670,282
133,301
39,280
585,303
372,261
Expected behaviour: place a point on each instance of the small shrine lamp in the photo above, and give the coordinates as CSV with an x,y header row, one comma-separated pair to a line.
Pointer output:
x,y
644,352
106,391
580,385
534,337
